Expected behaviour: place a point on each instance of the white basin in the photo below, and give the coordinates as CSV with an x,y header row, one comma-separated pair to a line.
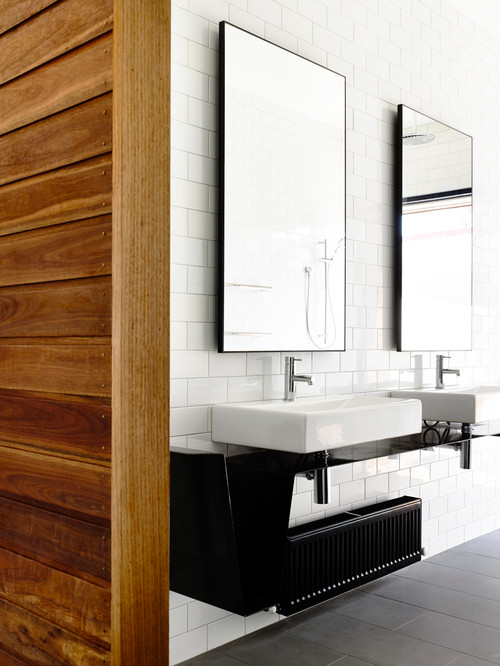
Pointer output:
x,y
464,404
315,424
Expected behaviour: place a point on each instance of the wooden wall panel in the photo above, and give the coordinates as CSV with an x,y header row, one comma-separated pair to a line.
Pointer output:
x,y
73,603
55,320
74,546
61,27
8,659
39,642
67,251
72,193
74,488
77,369
75,428
70,136
76,77
16,11
65,308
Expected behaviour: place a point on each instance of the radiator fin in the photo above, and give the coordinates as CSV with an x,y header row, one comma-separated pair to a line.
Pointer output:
x,y
328,557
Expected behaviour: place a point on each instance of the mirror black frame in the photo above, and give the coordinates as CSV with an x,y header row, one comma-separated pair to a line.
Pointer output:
x,y
221,198
399,201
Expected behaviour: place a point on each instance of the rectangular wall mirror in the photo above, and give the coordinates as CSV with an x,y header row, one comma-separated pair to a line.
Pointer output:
x,y
434,227
282,203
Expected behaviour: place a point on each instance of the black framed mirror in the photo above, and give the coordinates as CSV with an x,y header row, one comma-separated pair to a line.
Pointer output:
x,y
434,234
282,199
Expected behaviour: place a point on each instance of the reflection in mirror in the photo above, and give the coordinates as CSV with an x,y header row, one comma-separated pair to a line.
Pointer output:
x,y
282,181
434,224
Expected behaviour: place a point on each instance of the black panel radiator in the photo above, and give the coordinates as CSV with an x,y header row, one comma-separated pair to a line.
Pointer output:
x,y
333,555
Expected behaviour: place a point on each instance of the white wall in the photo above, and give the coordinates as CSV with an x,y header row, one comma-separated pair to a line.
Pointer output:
x,y
417,52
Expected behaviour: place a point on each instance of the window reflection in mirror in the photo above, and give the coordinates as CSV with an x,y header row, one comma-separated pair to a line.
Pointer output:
x,y
282,180
435,228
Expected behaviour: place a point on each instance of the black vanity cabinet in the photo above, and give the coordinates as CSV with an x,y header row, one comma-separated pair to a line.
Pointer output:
x,y
231,546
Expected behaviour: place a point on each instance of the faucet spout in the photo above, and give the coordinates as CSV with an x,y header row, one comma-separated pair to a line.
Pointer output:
x,y
291,378
440,371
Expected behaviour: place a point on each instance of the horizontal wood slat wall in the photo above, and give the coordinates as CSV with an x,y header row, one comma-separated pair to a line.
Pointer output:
x,y
62,27
74,488
15,12
41,643
78,605
65,308
72,135
73,78
72,193
55,331
66,251
75,546
76,428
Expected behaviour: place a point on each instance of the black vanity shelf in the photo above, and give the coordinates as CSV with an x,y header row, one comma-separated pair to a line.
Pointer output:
x,y
231,546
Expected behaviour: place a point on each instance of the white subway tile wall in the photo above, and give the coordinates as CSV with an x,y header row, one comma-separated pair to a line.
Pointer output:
x,y
423,54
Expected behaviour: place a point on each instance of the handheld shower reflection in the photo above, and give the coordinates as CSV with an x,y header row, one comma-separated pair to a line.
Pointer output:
x,y
329,333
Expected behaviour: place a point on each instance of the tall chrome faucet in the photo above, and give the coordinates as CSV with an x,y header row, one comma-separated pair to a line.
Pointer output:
x,y
440,371
291,378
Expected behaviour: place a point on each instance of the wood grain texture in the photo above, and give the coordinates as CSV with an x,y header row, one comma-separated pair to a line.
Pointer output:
x,y
16,11
61,27
67,308
66,486
13,12
81,132
77,369
140,489
66,251
39,642
67,544
8,659
71,79
78,428
75,192
75,604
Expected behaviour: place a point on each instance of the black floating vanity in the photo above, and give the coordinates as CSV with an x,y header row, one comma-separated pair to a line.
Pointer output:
x,y
231,546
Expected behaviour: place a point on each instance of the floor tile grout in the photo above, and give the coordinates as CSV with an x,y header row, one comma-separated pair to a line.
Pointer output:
x,y
355,617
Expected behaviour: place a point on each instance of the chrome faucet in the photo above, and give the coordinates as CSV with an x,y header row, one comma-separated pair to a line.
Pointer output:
x,y
440,371
291,378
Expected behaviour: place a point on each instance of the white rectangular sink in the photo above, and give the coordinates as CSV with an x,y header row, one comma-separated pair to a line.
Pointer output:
x,y
463,404
315,424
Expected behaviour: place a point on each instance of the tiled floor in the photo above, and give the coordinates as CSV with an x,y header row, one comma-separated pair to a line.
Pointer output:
x,y
444,610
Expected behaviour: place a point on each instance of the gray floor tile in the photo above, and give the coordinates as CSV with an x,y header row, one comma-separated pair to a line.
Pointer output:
x,y
441,600
272,648
352,661
467,660
444,611
488,566
463,636
486,547
378,610
370,643
455,579
492,536
212,659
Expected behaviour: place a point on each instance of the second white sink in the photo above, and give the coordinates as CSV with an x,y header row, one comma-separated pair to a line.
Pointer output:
x,y
315,424
463,404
